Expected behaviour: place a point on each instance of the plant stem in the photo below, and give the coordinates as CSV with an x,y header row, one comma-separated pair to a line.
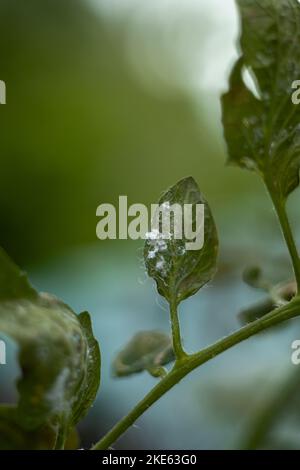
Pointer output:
x,y
177,345
266,417
280,208
190,362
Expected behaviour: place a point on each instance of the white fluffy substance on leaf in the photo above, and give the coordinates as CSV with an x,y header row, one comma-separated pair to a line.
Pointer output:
x,y
157,242
166,206
160,265
153,235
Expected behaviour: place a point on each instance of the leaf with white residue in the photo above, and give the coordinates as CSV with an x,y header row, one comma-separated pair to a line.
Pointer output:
x,y
58,355
178,271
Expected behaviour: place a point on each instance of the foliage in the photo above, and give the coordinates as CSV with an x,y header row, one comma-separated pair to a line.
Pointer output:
x,y
58,355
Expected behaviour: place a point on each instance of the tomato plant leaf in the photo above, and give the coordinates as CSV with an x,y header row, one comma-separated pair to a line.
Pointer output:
x,y
15,437
58,355
90,386
13,282
180,272
261,123
147,350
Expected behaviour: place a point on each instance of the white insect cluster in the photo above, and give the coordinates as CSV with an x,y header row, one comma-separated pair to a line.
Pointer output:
x,y
159,243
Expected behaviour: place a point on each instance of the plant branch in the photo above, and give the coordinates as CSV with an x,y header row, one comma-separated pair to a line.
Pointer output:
x,y
177,345
280,208
186,365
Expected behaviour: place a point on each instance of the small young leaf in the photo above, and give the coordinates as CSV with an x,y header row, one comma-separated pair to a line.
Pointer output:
x,y
254,277
58,355
179,272
148,350
278,295
256,311
89,388
261,125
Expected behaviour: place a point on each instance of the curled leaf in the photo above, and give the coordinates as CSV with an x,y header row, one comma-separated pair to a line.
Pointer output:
x,y
58,355
261,123
147,350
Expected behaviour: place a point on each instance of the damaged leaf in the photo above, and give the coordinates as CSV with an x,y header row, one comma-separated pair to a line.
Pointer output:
x,y
58,355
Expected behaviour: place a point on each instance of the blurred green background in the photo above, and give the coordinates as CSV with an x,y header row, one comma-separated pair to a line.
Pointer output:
x,y
114,97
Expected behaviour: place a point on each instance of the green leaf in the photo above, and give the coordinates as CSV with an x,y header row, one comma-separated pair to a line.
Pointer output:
x,y
147,350
14,437
179,272
257,311
89,388
58,355
262,125
13,282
